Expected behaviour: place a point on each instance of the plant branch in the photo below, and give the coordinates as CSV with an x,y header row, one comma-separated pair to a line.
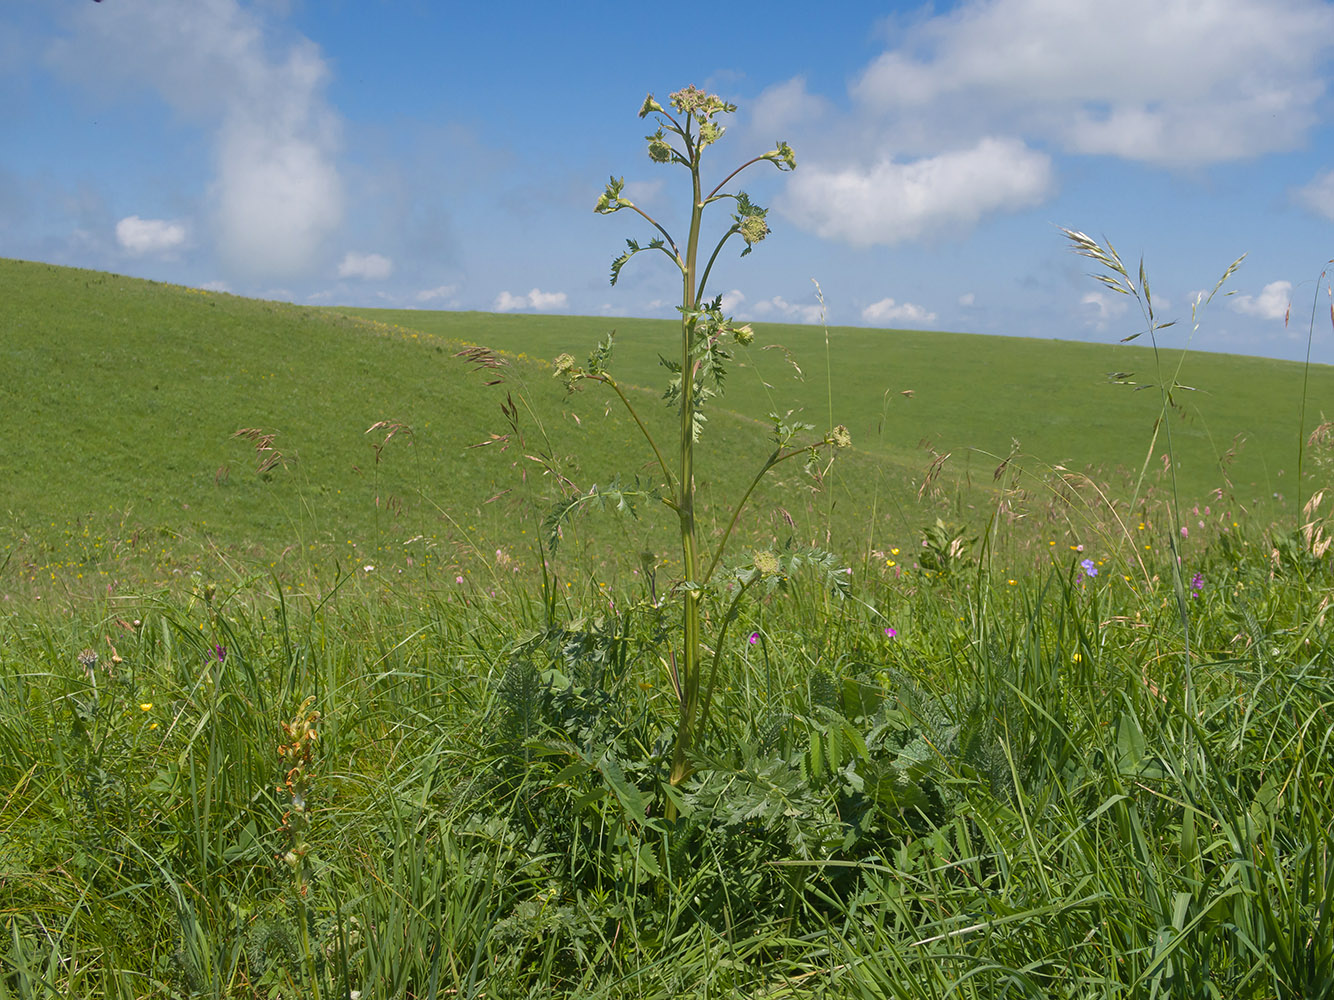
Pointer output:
x,y
718,653
704,280
656,225
738,170
778,456
662,463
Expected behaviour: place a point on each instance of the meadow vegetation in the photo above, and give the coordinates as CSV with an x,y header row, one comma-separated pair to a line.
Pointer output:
x,y
316,710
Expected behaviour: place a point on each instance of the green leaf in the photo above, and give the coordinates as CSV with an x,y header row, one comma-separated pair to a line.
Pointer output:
x,y
631,798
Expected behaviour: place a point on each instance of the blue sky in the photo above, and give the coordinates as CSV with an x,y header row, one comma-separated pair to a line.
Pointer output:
x,y
425,154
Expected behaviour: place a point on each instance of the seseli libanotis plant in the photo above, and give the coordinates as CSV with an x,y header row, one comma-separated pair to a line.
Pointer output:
x,y
697,373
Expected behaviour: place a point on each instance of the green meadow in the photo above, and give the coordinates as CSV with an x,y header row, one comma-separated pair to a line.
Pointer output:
x,y
125,398
297,701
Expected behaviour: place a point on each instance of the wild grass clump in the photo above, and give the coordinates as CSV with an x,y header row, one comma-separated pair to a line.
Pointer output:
x,y
935,786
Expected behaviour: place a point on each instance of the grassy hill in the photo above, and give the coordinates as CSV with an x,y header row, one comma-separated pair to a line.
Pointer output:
x,y
123,399
972,395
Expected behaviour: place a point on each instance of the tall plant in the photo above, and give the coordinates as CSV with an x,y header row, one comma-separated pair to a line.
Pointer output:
x,y
707,336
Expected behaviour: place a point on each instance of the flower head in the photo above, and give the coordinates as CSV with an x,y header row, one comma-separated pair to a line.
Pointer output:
x,y
1089,567
649,106
753,638
891,632
782,157
659,150
753,228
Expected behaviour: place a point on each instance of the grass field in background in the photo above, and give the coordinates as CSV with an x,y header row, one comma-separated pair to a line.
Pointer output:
x,y
124,397
972,395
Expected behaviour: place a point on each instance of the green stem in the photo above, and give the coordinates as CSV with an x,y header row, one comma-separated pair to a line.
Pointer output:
x,y
773,460
718,652
704,281
689,698
724,181
654,223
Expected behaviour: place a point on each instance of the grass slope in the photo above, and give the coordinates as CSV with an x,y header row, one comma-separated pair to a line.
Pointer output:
x,y
973,394
124,397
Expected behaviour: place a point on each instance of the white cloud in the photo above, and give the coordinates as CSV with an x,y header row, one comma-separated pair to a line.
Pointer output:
x,y
371,266
1178,82
1272,302
1318,195
1105,307
894,202
732,300
215,286
276,196
439,292
889,311
783,107
143,236
967,299
788,310
546,300
536,299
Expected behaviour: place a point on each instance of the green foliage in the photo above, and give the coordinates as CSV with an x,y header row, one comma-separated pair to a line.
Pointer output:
x,y
965,808
946,548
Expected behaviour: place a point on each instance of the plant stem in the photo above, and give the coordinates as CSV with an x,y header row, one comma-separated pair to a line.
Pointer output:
x,y
772,460
686,488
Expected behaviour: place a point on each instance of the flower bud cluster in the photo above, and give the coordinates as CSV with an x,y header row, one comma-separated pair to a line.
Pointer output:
x,y
693,101
782,157
610,200
300,736
659,150
753,228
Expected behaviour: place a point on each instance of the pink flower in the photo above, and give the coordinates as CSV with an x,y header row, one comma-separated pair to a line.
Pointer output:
x,y
891,632
754,638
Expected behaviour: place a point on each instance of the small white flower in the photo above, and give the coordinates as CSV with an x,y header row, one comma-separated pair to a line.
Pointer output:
x,y
369,568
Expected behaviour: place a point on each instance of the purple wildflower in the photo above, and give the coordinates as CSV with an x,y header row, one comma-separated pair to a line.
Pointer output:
x,y
1089,567
891,632
754,638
